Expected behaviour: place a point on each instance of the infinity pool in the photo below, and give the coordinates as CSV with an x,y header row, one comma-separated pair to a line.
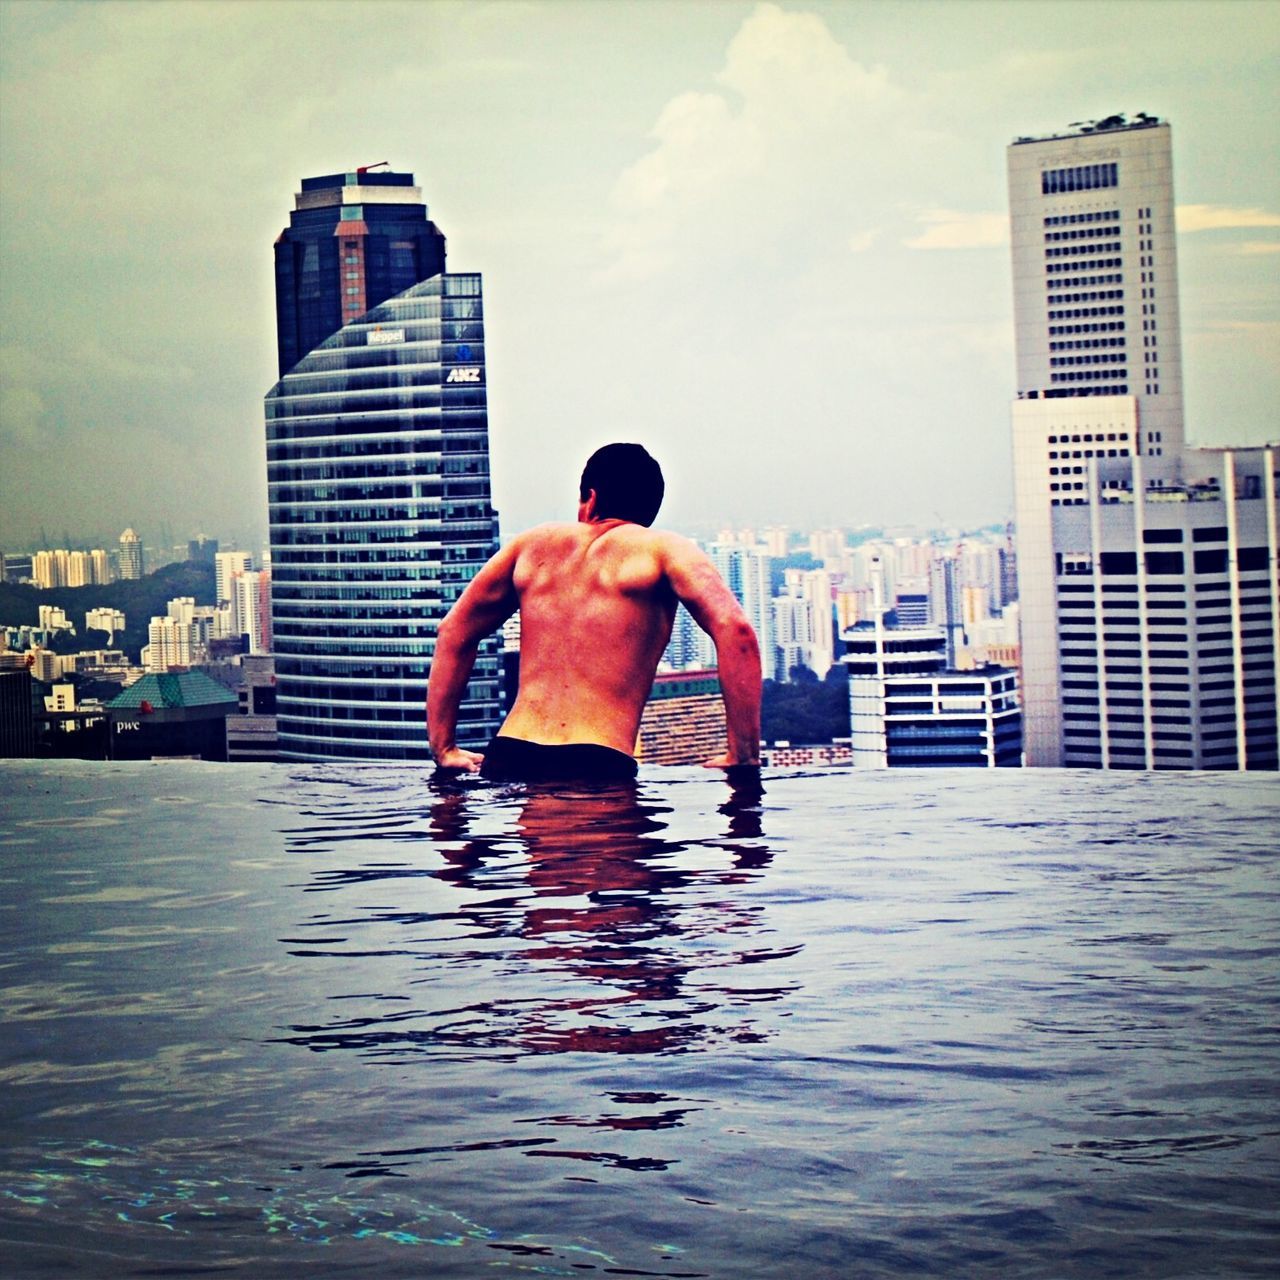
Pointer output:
x,y
265,1021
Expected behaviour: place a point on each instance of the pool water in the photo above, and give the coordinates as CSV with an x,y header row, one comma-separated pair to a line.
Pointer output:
x,y
267,1021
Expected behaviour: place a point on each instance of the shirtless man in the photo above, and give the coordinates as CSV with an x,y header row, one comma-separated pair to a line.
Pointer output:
x,y
596,599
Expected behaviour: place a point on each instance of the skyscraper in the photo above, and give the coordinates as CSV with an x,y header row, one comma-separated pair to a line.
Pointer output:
x,y
1146,570
354,240
130,555
377,468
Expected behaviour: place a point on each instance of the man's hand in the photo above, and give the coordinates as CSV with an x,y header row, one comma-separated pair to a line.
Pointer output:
x,y
459,758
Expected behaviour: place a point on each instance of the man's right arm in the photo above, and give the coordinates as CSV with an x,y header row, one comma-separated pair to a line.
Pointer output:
x,y
716,610
487,602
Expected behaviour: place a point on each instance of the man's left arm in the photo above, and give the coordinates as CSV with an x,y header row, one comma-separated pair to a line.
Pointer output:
x,y
489,599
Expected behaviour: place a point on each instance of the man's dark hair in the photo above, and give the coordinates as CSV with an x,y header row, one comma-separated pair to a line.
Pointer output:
x,y
628,483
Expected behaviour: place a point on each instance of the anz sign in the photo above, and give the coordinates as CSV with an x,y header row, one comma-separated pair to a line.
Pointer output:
x,y
463,375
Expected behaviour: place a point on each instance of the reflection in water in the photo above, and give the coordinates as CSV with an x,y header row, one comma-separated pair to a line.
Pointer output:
x,y
577,925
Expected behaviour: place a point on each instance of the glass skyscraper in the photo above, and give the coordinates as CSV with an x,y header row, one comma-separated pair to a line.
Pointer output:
x,y
378,471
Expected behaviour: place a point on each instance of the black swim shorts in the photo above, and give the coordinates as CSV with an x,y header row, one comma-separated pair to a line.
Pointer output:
x,y
518,760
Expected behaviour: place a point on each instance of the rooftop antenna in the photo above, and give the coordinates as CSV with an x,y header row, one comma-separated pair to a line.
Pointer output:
x,y
364,168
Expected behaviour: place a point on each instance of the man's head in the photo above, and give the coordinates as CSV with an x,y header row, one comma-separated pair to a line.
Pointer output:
x,y
627,483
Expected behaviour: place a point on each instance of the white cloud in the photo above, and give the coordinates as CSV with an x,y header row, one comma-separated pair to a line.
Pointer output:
x,y
1218,217
22,407
861,241
1255,247
790,120
949,229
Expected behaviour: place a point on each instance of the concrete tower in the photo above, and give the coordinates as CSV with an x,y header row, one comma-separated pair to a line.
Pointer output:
x,y
1147,570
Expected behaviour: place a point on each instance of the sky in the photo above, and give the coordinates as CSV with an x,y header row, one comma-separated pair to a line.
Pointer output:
x,y
768,240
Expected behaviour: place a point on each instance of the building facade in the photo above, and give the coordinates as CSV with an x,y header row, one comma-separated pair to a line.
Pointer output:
x,y
1168,614
227,565
251,608
683,720
251,734
378,472
1121,569
908,709
170,714
131,564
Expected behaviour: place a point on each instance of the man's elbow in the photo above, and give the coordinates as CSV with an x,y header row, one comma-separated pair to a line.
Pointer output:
x,y
446,633
451,639
738,639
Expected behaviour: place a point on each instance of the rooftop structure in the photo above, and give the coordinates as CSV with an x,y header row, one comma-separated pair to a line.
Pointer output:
x,y
1090,128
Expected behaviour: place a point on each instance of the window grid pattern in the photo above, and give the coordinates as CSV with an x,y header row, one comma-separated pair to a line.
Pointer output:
x,y
380,513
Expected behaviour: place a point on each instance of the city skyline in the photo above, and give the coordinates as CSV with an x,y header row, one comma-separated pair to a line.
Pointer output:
x,y
818,186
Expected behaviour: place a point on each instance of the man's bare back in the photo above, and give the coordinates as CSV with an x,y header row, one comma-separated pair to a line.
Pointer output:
x,y
595,614
597,600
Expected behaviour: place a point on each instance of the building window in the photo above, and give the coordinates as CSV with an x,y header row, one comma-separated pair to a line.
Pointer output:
x,y
1084,177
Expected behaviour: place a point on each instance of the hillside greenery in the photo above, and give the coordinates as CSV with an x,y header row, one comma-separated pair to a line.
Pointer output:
x,y
807,710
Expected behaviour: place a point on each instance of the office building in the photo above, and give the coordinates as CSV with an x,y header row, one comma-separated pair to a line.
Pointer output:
x,y
911,602
908,709
354,240
1168,612
175,714
17,713
251,733
378,471
131,566
1124,634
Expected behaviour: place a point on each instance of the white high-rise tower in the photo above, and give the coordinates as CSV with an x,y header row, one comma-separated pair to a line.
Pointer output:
x,y
1146,570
